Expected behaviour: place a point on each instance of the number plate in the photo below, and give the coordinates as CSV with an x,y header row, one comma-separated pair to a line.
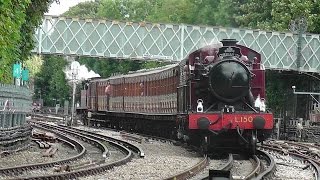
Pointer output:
x,y
243,119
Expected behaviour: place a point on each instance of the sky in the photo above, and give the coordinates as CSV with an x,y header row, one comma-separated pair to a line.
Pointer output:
x,y
57,9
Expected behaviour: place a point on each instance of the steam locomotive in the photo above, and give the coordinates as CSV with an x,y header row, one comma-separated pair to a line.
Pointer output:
x,y
214,98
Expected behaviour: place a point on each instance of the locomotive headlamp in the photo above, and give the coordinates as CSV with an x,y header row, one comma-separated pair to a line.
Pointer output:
x,y
257,102
263,105
200,106
191,67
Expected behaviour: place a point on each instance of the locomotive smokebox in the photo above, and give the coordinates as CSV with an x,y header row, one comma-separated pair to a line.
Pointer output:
x,y
229,42
229,80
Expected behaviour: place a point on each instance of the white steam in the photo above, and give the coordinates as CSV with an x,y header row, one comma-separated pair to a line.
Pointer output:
x,y
79,72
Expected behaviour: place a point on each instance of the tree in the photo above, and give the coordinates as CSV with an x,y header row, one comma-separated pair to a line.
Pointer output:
x,y
51,81
256,14
33,64
277,14
18,18
12,17
84,10
226,13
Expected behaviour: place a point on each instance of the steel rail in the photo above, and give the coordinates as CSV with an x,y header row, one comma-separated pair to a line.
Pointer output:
x,y
271,168
192,171
226,167
314,163
127,144
257,163
80,148
87,171
88,137
131,146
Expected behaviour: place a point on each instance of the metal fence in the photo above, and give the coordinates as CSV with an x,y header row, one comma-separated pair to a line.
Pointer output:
x,y
170,42
15,104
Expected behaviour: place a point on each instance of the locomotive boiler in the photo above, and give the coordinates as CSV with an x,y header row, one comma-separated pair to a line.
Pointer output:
x,y
214,98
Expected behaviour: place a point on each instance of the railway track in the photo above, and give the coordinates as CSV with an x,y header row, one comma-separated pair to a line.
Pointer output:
x,y
139,139
134,148
11,171
299,153
259,170
226,170
84,169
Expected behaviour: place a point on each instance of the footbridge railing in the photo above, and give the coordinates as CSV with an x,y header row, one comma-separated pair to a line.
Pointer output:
x,y
169,42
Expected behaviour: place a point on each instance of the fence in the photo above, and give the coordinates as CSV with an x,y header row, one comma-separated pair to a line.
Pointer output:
x,y
15,104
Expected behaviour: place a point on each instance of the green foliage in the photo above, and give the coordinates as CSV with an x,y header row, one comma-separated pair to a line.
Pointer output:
x,y
34,64
171,11
276,89
84,10
214,12
18,18
34,14
51,80
226,12
277,14
12,17
255,14
152,64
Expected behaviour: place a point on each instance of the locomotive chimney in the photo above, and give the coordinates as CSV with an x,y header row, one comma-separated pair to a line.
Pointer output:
x,y
229,42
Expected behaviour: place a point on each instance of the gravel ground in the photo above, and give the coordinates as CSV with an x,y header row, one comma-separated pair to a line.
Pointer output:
x,y
93,154
241,168
161,160
34,155
289,168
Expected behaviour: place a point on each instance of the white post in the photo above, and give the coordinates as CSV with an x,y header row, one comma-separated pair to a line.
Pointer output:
x,y
73,99
74,70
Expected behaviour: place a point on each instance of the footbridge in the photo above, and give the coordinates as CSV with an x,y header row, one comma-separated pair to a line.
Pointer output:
x,y
170,42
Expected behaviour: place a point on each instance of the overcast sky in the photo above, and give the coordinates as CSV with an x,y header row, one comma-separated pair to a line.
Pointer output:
x,y
57,9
